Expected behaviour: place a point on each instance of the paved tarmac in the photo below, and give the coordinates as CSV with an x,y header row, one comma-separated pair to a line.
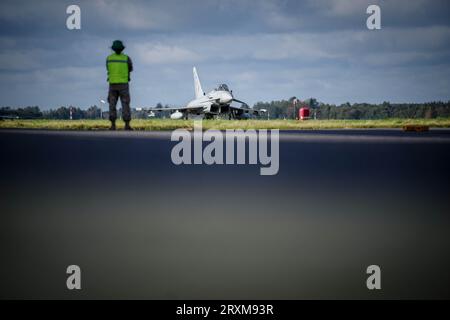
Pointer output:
x,y
140,226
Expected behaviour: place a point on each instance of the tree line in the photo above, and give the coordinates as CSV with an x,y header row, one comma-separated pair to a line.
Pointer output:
x,y
287,109
34,112
66,113
281,109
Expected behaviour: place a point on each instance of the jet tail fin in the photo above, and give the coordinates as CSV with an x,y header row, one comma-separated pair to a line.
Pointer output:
x,y
198,87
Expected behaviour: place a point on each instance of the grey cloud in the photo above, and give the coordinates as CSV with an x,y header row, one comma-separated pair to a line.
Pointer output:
x,y
264,49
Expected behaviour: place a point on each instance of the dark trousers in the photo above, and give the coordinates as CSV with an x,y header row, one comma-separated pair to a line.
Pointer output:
x,y
121,90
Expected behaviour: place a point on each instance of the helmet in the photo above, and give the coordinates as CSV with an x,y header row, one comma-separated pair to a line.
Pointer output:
x,y
117,45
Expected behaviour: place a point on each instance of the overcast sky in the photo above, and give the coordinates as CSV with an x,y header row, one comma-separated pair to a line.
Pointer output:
x,y
264,50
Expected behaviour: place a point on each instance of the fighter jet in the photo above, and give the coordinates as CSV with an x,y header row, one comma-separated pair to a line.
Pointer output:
x,y
211,105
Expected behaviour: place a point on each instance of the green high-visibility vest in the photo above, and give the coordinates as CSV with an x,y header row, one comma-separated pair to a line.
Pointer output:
x,y
117,65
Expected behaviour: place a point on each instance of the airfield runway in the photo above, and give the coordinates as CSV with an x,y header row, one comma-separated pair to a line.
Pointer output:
x,y
141,227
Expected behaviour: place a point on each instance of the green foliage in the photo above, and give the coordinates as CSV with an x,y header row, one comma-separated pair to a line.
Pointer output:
x,y
23,113
282,109
285,110
168,124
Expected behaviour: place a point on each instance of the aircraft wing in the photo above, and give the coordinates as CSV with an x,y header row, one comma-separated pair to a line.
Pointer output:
x,y
245,107
185,108
173,109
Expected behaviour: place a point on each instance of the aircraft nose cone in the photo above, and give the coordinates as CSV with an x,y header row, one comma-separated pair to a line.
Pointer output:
x,y
226,98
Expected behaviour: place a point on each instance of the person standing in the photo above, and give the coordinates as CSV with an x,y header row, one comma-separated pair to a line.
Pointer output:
x,y
119,67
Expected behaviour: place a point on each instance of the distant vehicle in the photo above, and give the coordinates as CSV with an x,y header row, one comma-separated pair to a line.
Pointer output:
x,y
217,102
9,117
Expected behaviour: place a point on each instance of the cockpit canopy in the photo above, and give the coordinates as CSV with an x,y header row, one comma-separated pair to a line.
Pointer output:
x,y
223,87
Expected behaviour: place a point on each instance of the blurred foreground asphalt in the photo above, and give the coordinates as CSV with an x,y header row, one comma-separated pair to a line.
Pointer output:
x,y
141,227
